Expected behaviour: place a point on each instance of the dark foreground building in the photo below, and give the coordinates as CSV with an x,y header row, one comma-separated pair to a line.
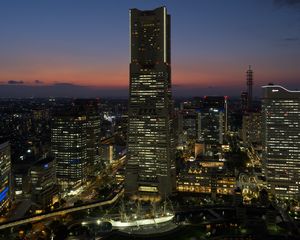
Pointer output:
x,y
150,169
44,188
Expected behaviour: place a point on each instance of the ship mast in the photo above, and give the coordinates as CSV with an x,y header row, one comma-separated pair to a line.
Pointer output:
x,y
123,212
138,209
153,209
165,208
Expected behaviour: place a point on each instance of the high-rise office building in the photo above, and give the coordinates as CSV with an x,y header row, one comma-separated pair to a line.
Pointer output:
x,y
211,126
150,168
5,175
44,188
244,101
203,119
89,107
69,145
249,74
281,140
93,143
189,124
251,128
213,115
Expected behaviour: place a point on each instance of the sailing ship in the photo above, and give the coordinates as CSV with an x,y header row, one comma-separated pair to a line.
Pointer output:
x,y
153,220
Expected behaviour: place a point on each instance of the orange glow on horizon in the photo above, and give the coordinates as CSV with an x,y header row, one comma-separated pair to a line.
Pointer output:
x,y
117,75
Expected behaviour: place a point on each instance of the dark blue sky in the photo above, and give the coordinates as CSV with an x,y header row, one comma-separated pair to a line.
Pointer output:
x,y
85,43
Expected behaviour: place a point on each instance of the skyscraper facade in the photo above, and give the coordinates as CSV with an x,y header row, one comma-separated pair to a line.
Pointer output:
x,y
249,74
213,117
251,128
189,124
204,119
44,188
244,101
5,175
89,107
69,145
150,168
281,140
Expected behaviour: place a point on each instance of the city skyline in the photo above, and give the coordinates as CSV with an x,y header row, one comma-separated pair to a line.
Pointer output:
x,y
43,53
202,144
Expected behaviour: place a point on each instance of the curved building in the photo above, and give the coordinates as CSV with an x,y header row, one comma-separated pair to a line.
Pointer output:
x,y
281,140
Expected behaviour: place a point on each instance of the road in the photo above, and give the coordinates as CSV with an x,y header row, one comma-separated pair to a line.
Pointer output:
x,y
61,212
87,192
85,195
254,158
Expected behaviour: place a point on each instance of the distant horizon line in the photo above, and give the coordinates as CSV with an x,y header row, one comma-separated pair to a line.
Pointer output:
x,y
174,85
17,89
119,98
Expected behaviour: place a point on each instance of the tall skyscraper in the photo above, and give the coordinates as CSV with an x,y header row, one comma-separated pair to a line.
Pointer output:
x,y
150,170
189,125
89,107
69,145
281,140
251,128
213,117
249,88
244,101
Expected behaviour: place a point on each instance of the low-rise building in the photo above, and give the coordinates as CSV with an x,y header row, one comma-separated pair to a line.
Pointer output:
x,y
206,176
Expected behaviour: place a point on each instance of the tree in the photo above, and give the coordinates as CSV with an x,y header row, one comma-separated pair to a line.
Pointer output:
x,y
78,202
61,232
263,197
56,205
62,202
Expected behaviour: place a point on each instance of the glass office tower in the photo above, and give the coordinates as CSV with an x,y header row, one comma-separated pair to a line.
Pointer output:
x,y
281,140
69,145
150,170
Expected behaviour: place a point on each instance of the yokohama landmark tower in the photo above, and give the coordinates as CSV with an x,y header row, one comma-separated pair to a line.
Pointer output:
x,y
150,171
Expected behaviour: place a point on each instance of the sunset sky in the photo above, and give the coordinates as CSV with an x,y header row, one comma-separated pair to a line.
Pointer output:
x,y
83,44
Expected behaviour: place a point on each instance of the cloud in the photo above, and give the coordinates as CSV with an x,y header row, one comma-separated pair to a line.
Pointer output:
x,y
65,84
38,82
15,82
